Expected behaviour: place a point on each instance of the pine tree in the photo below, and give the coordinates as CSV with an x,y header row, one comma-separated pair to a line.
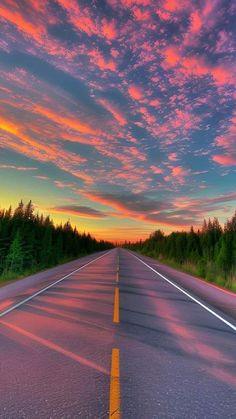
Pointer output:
x,y
19,211
29,211
14,259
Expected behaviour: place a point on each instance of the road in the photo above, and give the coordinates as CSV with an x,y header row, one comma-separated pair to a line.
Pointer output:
x,y
116,335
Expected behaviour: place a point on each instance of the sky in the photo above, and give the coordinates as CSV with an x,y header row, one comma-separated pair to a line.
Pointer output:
x,y
119,114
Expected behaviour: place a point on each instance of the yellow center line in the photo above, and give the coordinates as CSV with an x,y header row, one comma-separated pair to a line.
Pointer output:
x,y
117,271
114,407
116,313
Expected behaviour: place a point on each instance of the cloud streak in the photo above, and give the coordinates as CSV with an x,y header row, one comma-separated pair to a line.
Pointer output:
x,y
79,211
126,104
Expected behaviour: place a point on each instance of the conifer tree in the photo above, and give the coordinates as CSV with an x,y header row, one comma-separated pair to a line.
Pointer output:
x,y
14,259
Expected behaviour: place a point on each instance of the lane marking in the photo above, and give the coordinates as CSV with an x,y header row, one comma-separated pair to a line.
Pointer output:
x,y
118,269
116,313
57,348
3,313
114,407
231,325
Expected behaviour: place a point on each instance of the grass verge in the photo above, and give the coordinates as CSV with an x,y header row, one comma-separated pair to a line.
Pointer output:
x,y
10,277
211,276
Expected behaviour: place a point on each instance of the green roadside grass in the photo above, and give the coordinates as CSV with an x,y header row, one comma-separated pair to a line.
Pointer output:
x,y
194,270
10,277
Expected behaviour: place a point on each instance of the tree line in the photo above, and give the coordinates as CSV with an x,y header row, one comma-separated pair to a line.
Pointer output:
x,y
30,242
209,252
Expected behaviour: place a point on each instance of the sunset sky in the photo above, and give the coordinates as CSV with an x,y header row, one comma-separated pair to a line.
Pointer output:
x,y
119,114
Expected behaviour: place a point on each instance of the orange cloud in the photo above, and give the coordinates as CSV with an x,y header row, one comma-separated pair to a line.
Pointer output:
x,y
223,75
136,207
98,59
194,65
116,113
8,126
72,123
23,25
79,16
172,56
22,143
135,92
179,171
109,29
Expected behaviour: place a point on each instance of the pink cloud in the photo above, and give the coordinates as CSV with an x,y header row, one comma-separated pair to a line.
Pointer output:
x,y
179,171
225,42
172,56
163,15
114,110
223,75
175,5
135,152
135,92
109,29
155,103
141,14
228,143
178,175
79,16
114,52
103,63
196,22
156,170
149,119
224,160
173,157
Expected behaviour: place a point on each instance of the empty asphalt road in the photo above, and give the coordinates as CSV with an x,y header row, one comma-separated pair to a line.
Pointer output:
x,y
116,335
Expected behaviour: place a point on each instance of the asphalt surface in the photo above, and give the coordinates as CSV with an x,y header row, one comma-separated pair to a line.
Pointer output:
x,y
176,359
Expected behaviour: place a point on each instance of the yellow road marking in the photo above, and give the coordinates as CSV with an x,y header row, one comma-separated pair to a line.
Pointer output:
x,y
116,314
118,268
114,408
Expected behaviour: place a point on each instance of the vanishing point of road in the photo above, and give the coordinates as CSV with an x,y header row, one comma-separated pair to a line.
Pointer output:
x,y
116,335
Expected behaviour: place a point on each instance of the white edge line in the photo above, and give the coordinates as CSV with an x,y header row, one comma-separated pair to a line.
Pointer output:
x,y
188,295
8,310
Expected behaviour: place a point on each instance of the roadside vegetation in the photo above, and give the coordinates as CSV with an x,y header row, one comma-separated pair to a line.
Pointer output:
x,y
30,242
209,253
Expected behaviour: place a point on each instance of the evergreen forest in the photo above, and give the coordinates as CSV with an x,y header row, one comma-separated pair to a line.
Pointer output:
x,y
30,242
209,252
